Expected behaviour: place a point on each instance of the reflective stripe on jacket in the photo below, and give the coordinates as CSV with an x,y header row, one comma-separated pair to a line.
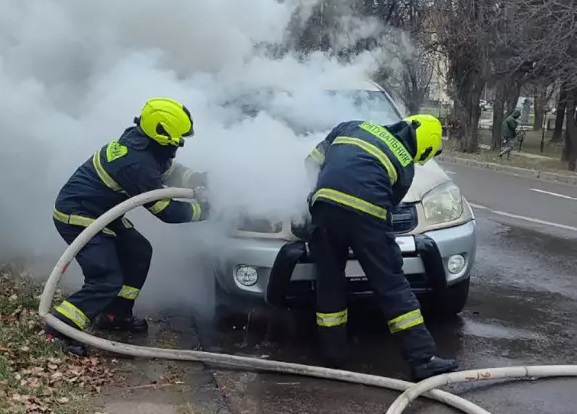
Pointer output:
x,y
365,167
123,168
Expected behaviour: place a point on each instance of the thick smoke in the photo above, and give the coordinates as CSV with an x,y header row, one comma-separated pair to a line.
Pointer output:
x,y
73,74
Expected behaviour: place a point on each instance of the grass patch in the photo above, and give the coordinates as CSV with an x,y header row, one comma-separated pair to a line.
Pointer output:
x,y
35,376
553,165
186,409
531,143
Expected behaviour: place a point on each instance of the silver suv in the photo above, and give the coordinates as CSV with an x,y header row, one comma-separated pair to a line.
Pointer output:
x,y
435,230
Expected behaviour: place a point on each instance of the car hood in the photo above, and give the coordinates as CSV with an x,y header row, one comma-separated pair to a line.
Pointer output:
x,y
427,177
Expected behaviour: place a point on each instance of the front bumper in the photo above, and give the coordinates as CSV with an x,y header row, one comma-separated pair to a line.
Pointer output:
x,y
425,263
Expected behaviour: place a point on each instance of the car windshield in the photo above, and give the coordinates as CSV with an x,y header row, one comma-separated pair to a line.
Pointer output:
x,y
368,105
311,112
307,111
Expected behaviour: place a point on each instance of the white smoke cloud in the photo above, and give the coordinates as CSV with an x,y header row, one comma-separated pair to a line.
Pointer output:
x,y
73,75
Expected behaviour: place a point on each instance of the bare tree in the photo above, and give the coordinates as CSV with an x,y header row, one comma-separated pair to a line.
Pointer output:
x,y
542,93
561,18
416,79
570,150
407,71
459,27
560,114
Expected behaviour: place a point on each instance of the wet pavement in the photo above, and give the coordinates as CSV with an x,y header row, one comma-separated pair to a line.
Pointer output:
x,y
521,310
533,199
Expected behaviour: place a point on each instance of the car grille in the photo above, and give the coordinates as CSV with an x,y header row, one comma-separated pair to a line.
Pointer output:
x,y
404,219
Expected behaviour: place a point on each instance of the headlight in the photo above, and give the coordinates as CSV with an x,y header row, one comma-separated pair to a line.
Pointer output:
x,y
443,204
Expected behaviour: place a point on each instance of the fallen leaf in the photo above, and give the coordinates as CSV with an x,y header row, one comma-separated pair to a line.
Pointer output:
x,y
57,375
17,397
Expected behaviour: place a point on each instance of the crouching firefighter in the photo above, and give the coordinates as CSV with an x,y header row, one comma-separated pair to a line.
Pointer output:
x,y
365,171
116,261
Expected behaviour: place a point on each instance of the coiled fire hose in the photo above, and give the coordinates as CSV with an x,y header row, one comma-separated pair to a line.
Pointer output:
x,y
426,388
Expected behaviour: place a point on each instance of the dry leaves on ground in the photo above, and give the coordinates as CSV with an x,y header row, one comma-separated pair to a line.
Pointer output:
x,y
35,376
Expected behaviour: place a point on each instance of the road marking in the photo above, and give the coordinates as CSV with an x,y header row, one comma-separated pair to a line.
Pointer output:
x,y
450,172
479,207
528,219
554,194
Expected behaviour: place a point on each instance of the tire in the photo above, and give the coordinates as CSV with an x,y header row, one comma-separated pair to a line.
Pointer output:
x,y
452,301
230,312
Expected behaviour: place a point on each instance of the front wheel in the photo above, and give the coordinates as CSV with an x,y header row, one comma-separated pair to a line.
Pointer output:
x,y
452,300
229,311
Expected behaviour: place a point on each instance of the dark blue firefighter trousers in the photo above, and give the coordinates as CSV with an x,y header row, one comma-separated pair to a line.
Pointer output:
x,y
115,269
335,230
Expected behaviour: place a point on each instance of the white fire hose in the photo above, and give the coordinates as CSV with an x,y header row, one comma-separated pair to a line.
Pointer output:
x,y
426,388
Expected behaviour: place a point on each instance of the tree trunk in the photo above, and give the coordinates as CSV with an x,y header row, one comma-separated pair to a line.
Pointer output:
x,y
468,114
560,114
570,150
498,108
539,97
513,91
469,87
470,129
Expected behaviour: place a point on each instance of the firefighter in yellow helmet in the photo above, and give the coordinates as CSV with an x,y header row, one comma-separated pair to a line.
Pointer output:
x,y
115,262
365,171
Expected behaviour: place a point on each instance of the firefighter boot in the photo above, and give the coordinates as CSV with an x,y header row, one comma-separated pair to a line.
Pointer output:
x,y
432,367
128,323
334,346
67,344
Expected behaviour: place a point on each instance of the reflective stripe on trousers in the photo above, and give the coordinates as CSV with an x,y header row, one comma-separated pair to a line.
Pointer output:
x,y
350,201
329,320
77,220
406,321
72,313
129,292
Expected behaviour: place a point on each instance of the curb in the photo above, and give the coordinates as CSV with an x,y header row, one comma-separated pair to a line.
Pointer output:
x,y
522,172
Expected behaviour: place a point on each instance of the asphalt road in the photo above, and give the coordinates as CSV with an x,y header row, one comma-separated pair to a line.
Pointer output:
x,y
522,310
532,201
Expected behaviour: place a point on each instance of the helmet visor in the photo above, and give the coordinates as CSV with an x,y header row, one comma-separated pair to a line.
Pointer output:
x,y
189,133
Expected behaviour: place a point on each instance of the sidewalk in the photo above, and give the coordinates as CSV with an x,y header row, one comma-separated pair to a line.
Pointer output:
x,y
161,387
560,177
149,386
